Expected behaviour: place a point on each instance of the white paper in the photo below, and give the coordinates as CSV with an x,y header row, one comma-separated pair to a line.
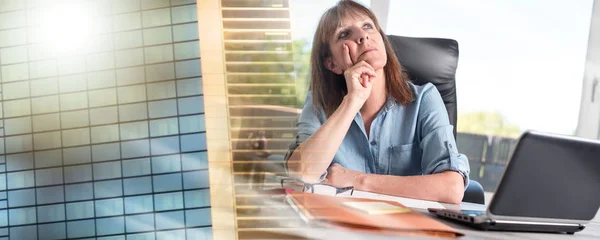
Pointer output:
x,y
408,202
376,207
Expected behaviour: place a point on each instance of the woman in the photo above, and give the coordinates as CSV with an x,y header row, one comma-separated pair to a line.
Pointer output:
x,y
365,125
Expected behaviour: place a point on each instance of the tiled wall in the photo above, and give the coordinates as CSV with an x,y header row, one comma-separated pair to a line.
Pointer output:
x,y
107,141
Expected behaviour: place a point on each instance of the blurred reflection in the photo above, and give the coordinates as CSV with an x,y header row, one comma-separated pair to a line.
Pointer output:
x,y
102,120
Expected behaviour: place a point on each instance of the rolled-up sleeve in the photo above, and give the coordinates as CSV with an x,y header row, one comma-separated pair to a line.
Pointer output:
x,y
437,141
308,123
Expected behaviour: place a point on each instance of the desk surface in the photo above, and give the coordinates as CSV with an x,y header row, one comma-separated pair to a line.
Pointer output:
x,y
592,231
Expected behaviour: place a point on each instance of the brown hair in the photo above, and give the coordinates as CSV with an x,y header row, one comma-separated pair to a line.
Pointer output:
x,y
328,88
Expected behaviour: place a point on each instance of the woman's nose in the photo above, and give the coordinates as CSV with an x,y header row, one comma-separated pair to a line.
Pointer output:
x,y
363,36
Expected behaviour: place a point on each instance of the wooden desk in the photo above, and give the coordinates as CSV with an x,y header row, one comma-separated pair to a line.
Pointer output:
x,y
287,225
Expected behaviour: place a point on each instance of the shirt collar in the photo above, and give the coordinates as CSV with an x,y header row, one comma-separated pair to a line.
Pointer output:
x,y
390,103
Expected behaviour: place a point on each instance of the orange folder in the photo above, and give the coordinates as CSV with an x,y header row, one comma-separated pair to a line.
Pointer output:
x,y
330,211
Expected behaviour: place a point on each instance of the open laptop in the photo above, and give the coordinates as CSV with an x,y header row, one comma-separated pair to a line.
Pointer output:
x,y
551,184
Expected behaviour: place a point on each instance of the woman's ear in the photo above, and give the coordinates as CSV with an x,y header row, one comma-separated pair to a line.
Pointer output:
x,y
329,64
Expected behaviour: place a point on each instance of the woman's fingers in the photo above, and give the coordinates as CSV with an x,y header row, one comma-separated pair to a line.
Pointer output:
x,y
358,77
347,58
364,67
364,79
367,65
359,71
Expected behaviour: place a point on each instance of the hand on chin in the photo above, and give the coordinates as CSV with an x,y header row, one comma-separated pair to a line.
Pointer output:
x,y
376,63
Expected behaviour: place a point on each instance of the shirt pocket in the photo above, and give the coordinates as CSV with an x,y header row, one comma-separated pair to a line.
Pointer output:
x,y
404,160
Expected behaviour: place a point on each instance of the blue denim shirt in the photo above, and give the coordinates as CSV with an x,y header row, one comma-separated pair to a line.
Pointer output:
x,y
407,140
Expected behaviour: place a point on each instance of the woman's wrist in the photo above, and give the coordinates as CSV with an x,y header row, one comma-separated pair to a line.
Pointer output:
x,y
352,103
361,181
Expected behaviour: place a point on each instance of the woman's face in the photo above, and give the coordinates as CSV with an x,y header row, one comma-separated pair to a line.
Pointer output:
x,y
364,42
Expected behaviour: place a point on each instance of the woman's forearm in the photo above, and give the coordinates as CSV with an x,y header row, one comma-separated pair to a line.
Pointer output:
x,y
442,187
313,156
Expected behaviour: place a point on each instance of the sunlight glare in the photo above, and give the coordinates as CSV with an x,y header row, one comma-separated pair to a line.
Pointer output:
x,y
66,28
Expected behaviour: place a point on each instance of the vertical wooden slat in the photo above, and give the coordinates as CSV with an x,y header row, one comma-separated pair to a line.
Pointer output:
x,y
212,54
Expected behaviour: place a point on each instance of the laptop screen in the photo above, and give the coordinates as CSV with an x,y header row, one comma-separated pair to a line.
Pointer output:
x,y
550,176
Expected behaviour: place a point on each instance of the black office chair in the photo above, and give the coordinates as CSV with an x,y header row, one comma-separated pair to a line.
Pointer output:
x,y
435,60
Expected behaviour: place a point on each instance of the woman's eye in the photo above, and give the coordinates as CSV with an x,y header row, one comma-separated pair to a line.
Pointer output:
x,y
368,26
343,34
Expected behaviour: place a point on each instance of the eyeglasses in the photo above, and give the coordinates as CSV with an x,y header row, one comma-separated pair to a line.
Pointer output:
x,y
300,186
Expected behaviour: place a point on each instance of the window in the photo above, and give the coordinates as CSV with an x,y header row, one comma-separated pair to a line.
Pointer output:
x,y
79,210
505,62
109,207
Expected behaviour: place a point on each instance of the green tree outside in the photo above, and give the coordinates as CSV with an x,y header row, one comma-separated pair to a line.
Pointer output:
x,y
301,50
487,123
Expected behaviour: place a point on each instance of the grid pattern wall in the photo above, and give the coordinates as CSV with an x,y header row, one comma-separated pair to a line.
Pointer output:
x,y
107,142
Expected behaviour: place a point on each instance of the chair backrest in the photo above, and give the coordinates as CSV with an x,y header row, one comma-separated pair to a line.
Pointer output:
x,y
431,60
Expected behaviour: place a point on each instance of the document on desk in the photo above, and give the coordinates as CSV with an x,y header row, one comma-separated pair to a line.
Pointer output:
x,y
349,213
408,202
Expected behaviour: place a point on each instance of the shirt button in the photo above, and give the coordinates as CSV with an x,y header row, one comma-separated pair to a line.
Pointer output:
x,y
373,143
